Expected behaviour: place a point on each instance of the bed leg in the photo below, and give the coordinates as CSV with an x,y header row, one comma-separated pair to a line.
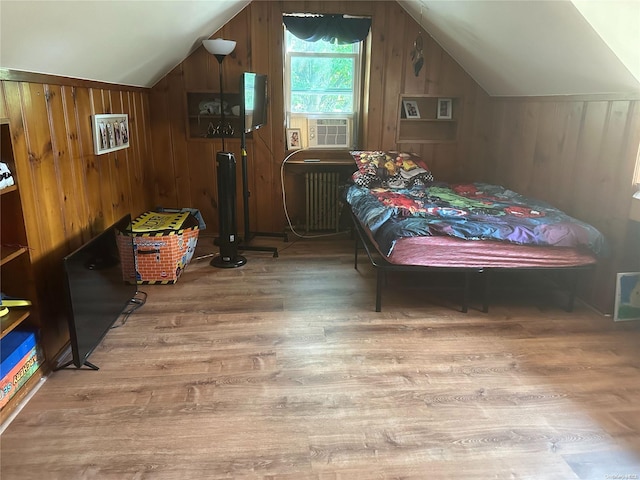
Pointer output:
x,y
355,254
572,291
465,295
486,289
380,278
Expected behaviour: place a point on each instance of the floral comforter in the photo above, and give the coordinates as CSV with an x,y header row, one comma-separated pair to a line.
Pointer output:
x,y
474,211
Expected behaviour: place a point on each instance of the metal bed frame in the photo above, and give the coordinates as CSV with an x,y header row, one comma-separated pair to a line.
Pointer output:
x,y
382,267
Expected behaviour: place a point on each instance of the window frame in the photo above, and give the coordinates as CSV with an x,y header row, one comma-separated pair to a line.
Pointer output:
x,y
357,91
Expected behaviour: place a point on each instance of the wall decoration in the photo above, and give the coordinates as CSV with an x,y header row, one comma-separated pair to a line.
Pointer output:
x,y
417,57
445,109
627,306
411,109
293,139
110,132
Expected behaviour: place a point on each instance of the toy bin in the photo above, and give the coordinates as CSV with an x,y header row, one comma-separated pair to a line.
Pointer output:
x,y
163,245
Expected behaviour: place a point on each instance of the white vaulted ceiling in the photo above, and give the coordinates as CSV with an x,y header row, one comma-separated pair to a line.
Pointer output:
x,y
125,42
515,47
539,47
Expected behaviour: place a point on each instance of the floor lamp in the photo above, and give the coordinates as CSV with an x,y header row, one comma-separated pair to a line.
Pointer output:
x,y
226,173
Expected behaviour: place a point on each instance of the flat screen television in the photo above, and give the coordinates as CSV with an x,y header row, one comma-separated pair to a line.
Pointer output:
x,y
254,105
96,291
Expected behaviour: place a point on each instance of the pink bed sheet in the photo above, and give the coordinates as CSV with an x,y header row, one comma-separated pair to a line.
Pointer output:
x,y
453,252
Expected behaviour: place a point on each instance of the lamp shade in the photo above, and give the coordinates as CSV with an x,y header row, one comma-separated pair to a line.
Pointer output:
x,y
218,46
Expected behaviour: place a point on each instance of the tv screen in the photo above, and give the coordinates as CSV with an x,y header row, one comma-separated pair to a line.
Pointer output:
x,y
97,293
254,89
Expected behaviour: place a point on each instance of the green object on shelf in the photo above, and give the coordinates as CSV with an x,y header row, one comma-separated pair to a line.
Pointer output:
x,y
15,303
7,301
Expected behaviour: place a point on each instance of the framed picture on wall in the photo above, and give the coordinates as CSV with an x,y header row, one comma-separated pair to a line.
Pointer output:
x,y
110,132
293,139
627,306
445,109
411,109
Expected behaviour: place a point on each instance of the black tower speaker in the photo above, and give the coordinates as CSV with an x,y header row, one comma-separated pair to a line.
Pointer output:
x,y
228,239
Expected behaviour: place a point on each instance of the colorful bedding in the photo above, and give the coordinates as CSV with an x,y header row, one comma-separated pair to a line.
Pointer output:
x,y
473,211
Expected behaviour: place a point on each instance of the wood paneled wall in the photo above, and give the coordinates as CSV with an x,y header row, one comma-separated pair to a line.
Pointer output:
x,y
579,154
186,167
69,193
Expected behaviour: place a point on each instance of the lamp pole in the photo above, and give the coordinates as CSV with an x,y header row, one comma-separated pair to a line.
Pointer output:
x,y
223,132
226,175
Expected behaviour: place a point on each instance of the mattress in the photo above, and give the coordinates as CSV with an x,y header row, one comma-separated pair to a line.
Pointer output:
x,y
486,216
456,253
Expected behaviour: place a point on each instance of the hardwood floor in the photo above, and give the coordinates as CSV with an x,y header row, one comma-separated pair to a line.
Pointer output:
x,y
282,370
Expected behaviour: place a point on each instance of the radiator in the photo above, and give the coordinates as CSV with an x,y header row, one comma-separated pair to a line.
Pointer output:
x,y
323,208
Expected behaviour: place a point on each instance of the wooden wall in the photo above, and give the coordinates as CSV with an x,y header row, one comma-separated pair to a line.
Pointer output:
x,y
186,167
70,194
579,154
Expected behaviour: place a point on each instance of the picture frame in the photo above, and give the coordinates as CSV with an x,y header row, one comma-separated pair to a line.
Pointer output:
x,y
110,132
411,109
627,304
445,109
294,139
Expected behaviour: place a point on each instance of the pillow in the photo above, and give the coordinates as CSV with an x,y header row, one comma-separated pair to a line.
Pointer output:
x,y
390,169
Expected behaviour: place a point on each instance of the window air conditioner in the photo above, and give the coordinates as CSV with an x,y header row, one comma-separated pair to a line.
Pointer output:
x,y
328,132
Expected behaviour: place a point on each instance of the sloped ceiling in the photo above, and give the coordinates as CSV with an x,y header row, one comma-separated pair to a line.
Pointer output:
x,y
125,42
539,47
510,48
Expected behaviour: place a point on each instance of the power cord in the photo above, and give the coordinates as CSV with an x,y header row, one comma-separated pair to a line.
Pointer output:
x,y
134,304
284,201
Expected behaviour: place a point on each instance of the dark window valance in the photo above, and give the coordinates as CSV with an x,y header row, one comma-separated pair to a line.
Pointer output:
x,y
331,28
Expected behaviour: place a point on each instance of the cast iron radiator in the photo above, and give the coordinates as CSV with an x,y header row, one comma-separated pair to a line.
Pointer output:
x,y
323,209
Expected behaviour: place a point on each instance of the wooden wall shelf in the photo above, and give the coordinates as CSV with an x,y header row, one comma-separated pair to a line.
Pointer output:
x,y
203,115
9,253
428,128
14,318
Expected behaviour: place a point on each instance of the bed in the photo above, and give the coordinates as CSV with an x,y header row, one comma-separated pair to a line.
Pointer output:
x,y
408,221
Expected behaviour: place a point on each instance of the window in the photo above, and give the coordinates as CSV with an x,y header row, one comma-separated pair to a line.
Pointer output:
x,y
322,77
322,80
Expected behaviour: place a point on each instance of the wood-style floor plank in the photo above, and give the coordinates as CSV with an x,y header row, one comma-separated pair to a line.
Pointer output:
x,y
282,370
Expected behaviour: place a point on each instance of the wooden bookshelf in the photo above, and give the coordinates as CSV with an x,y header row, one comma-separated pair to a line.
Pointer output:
x,y
16,270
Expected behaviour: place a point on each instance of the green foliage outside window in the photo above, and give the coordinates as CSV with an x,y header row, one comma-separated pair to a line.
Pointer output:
x,y
322,76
